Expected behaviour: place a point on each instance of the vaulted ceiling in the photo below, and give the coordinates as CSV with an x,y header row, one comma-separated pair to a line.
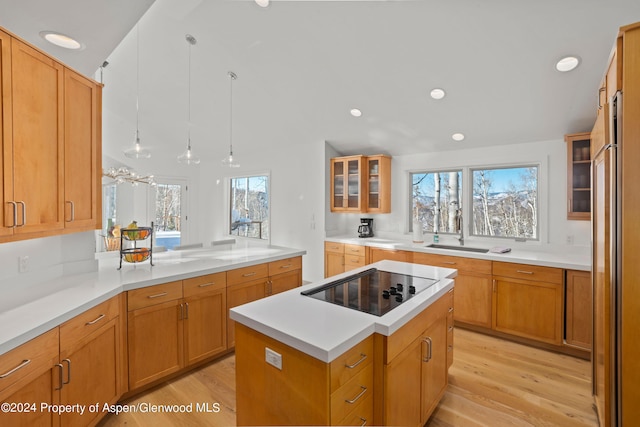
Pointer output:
x,y
302,65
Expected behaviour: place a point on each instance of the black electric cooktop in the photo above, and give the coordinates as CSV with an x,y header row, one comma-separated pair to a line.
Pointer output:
x,y
373,291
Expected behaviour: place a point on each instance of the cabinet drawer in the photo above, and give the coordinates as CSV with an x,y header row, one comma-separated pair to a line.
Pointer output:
x,y
28,361
351,362
353,261
462,264
362,414
284,265
334,247
354,250
152,295
528,272
203,284
83,324
246,274
345,399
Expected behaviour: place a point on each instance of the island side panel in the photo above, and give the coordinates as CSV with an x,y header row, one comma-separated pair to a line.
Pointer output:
x,y
265,395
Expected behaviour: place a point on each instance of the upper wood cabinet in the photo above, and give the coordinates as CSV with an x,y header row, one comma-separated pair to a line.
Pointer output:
x,y
361,184
51,149
579,176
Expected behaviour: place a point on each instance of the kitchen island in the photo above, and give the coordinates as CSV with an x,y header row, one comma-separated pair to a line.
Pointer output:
x,y
304,361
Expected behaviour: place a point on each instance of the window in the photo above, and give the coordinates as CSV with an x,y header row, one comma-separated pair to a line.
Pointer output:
x,y
108,206
436,200
505,202
249,206
169,206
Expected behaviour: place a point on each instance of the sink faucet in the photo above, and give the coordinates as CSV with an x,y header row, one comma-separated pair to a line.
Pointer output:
x,y
459,226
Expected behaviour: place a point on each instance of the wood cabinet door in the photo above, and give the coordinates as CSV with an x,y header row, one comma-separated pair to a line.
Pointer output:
x,y
579,309
378,180
434,366
6,138
377,254
91,373
205,326
40,390
155,339
242,294
347,185
473,299
528,309
81,155
333,264
38,139
285,281
403,387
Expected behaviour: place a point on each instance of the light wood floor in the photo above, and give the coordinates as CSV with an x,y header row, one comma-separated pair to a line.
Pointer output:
x,y
492,382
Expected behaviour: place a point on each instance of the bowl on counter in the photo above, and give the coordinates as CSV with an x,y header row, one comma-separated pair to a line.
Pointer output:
x,y
136,254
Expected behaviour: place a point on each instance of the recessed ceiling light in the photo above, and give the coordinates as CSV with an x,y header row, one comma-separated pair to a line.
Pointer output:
x,y
457,136
355,112
61,40
262,3
567,63
437,93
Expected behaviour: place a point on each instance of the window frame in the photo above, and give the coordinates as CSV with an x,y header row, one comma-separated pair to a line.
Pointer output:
x,y
461,197
183,182
541,194
227,212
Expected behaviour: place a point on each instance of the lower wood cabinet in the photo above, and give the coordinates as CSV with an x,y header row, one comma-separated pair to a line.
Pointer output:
x,y
579,309
167,332
378,254
333,258
527,301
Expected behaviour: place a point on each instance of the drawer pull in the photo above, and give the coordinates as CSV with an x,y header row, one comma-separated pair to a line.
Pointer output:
x,y
449,348
204,285
286,266
450,309
355,250
450,329
253,273
93,322
24,363
450,291
355,399
161,294
364,422
355,261
524,272
449,262
427,340
362,358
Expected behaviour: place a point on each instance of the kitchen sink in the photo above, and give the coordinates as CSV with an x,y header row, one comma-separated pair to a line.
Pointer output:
x,y
458,248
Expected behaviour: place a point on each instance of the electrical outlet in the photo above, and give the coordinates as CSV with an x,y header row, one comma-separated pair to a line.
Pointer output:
x,y
569,239
273,358
23,264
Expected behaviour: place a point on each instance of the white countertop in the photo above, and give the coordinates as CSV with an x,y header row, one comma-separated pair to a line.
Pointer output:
x,y
575,258
324,330
25,315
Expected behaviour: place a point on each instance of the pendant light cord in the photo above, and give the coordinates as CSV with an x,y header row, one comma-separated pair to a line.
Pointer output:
x,y
232,77
137,83
189,99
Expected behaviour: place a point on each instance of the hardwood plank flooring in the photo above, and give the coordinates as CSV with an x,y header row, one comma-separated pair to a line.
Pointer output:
x,y
492,382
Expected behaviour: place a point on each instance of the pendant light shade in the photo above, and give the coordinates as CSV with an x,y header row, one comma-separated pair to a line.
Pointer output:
x,y
229,160
137,152
187,157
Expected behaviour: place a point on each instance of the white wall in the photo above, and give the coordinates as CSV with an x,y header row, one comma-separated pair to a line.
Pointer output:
x,y
553,190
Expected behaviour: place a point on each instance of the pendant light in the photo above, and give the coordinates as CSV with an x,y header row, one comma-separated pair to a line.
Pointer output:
x,y
229,160
137,152
187,157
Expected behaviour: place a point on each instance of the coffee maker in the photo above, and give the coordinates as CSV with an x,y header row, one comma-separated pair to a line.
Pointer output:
x,y
366,227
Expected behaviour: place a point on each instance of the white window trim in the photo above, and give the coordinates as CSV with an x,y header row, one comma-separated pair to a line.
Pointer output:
x,y
227,205
184,203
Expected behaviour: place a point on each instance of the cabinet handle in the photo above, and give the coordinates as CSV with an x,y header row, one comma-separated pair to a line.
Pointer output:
x,y
24,363
569,205
450,291
286,266
450,329
15,214
450,309
355,399
24,214
524,272
599,92
61,382
494,286
186,310
449,348
93,322
269,287
73,211
181,316
68,362
364,422
354,261
427,340
161,294
253,273
362,358
449,262
204,285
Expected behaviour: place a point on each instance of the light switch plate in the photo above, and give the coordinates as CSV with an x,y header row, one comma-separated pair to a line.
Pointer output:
x,y
273,358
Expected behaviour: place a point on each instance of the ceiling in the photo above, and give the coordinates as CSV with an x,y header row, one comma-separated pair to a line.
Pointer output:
x,y
302,65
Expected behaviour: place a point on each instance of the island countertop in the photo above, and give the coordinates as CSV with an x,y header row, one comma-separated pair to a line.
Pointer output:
x,y
324,330
29,311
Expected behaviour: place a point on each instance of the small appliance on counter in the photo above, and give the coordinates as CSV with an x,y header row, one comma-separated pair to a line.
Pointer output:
x,y
366,227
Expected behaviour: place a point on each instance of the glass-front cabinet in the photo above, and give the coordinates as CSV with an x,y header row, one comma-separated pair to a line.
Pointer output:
x,y
578,176
361,184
